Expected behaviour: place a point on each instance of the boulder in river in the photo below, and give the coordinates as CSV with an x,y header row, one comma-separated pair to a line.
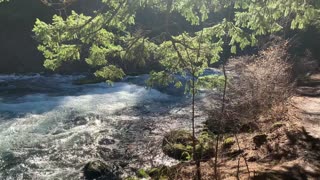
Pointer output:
x,y
107,141
98,170
79,121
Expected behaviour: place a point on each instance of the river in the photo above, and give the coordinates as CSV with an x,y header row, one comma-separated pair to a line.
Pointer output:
x,y
50,128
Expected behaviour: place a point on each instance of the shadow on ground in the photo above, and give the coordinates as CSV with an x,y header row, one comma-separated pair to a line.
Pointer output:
x,y
295,172
303,145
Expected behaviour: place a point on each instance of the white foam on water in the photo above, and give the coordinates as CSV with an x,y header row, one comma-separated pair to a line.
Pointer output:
x,y
30,134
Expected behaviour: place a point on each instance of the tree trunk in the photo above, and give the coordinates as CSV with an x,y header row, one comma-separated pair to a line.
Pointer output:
x,y
197,160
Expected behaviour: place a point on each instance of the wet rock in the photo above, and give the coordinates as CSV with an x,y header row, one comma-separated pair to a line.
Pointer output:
x,y
259,139
58,131
117,154
98,170
123,164
10,160
178,144
74,121
107,141
104,152
78,121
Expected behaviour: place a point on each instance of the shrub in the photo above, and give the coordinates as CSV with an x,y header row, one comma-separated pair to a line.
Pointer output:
x,y
256,84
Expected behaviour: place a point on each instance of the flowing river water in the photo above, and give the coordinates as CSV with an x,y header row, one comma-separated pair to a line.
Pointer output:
x,y
50,128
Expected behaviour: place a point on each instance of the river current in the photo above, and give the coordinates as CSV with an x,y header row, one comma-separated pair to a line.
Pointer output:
x,y
50,128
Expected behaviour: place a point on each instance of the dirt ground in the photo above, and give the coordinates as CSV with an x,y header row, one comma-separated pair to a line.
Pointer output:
x,y
291,149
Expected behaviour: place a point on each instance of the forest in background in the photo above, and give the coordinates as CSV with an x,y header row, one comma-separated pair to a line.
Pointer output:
x,y
19,48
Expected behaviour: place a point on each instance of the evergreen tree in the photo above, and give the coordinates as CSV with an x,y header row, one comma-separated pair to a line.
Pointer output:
x,y
109,33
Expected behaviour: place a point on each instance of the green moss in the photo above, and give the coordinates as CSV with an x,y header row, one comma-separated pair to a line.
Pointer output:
x,y
179,145
228,142
141,173
159,172
178,151
163,178
189,147
205,136
154,172
186,156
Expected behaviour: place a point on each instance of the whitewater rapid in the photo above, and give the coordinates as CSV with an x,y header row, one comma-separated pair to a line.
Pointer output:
x,y
49,127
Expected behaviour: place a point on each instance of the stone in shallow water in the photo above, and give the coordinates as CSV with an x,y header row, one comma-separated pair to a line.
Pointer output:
x,y
107,141
78,121
58,131
98,170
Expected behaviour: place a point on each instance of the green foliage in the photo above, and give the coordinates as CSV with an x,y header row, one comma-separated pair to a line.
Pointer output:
x,y
78,34
108,34
266,17
110,73
188,55
141,173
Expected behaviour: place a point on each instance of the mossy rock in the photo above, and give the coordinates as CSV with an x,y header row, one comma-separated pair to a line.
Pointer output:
x,y
177,151
154,172
178,137
205,147
98,170
178,144
228,142
159,173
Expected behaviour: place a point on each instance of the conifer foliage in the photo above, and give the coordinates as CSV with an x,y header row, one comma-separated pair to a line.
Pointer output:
x,y
108,33
111,33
